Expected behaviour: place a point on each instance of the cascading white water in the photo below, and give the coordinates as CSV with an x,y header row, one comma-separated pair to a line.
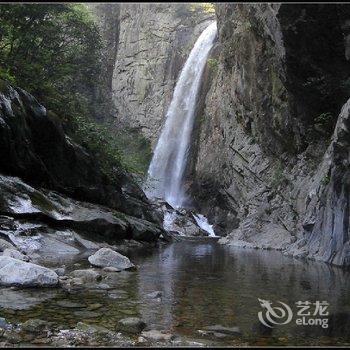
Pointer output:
x,y
166,171
203,223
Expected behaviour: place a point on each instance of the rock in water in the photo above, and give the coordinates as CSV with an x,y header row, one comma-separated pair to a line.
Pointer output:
x,y
86,275
156,335
131,325
17,272
106,257
218,329
34,326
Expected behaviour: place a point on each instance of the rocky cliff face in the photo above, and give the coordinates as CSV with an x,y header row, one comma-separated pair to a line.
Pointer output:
x,y
263,171
154,42
106,15
33,147
269,153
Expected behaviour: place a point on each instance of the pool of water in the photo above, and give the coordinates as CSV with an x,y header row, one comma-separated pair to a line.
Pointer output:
x,y
205,284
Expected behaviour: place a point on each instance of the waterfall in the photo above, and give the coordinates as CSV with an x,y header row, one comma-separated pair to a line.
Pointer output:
x,y
166,171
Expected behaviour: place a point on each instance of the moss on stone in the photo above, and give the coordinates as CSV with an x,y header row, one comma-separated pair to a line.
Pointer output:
x,y
41,202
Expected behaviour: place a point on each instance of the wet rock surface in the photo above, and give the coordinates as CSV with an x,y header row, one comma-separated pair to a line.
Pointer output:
x,y
132,325
23,201
221,331
177,222
17,272
106,257
47,162
157,336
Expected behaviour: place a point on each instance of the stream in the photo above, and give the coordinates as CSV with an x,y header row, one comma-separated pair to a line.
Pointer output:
x,y
202,283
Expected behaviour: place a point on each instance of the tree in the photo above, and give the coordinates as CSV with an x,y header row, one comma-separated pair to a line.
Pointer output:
x,y
51,50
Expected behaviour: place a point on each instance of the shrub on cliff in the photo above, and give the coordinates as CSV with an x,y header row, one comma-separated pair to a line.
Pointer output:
x,y
54,52
50,50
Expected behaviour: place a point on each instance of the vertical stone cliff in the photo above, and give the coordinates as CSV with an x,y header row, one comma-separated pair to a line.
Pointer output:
x,y
269,158
263,171
154,42
145,48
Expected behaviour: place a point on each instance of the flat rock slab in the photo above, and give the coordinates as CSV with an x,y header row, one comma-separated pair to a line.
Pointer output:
x,y
156,335
13,253
17,272
24,299
5,245
106,257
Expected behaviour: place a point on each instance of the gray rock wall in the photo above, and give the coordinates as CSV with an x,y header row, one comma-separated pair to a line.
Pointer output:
x,y
154,42
263,171
262,167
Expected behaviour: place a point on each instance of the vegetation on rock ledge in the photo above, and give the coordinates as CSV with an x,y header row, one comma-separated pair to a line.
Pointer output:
x,y
54,52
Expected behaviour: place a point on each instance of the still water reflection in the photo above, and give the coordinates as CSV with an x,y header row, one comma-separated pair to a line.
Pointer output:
x,y
202,284
206,284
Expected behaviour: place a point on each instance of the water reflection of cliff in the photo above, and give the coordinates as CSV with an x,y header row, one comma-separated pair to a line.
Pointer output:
x,y
207,284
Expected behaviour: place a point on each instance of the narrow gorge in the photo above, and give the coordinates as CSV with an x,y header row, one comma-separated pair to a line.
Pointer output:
x,y
169,170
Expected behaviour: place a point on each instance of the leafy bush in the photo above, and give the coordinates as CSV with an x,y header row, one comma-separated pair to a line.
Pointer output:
x,y
115,151
213,62
324,122
98,140
326,180
50,50
54,52
203,6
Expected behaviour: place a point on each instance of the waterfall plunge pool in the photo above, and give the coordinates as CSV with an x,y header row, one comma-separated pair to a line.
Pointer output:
x,y
202,284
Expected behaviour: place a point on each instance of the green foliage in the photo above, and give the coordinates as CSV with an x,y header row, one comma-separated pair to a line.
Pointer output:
x,y
213,63
184,9
114,151
135,150
324,121
50,50
54,52
6,75
326,180
203,6
99,141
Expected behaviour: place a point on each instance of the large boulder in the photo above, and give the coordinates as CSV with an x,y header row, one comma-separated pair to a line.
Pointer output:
x,y
34,147
17,272
106,257
93,221
131,325
13,253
